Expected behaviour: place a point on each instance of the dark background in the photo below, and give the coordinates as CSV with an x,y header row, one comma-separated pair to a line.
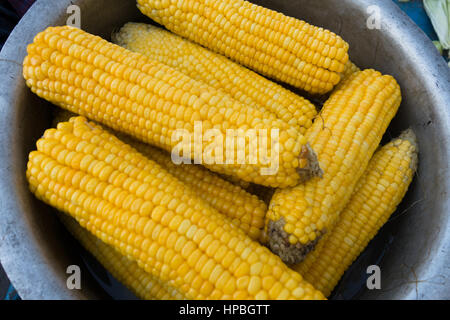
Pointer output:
x,y
12,10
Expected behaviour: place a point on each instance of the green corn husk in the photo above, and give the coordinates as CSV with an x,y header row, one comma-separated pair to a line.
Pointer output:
x,y
439,13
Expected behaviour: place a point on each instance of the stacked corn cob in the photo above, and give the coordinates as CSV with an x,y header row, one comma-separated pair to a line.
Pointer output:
x,y
135,206
350,69
375,198
244,210
280,47
149,100
137,212
345,136
217,71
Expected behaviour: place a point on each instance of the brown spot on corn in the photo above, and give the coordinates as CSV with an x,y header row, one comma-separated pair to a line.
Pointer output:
x,y
278,241
312,168
344,136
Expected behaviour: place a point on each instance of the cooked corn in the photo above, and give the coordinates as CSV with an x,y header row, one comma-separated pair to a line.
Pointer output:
x,y
152,218
345,135
244,209
280,47
131,93
142,284
217,71
375,198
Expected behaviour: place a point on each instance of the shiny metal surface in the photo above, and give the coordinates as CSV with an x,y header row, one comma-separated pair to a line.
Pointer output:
x,y
412,250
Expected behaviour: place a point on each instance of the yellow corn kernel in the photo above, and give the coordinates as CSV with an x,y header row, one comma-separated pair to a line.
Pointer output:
x,y
133,94
217,71
393,167
345,136
172,253
275,45
142,284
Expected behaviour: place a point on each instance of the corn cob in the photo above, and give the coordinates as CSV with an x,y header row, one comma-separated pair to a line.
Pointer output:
x,y
345,136
143,285
150,101
280,47
152,218
375,198
217,71
245,210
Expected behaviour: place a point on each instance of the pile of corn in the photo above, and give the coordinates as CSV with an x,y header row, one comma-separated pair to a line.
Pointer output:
x,y
216,231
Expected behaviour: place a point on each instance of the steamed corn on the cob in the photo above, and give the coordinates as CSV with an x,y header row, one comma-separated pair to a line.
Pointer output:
x,y
375,198
244,209
131,93
217,71
278,46
345,135
152,218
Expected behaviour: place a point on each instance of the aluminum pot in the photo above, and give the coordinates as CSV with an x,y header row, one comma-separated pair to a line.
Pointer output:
x,y
412,249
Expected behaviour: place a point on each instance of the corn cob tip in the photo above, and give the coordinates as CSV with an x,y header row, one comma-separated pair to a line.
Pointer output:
x,y
278,241
409,135
312,169
118,33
